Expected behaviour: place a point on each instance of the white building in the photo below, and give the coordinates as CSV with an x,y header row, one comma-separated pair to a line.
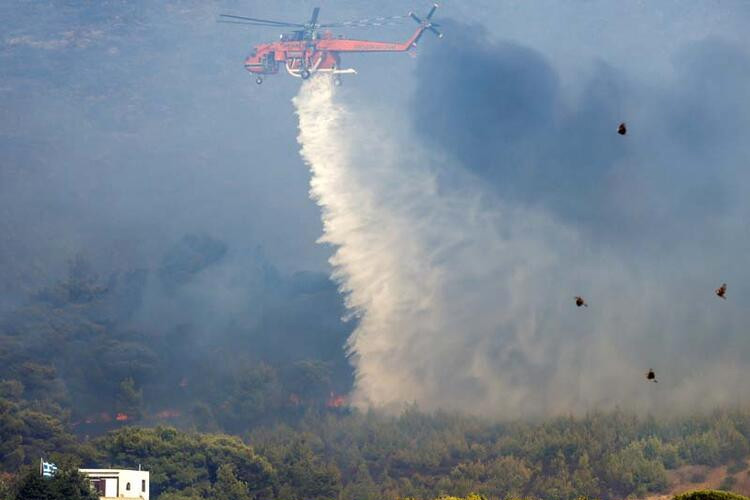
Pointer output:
x,y
118,483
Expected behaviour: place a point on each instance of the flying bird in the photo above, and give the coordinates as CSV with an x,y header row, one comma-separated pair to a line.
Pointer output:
x,y
651,376
722,290
622,129
580,302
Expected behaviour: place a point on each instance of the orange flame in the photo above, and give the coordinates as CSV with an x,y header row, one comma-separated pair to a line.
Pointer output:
x,y
121,417
336,401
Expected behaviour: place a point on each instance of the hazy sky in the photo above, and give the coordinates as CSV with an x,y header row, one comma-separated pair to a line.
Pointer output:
x,y
127,125
127,120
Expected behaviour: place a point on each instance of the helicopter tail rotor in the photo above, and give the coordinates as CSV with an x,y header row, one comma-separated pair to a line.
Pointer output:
x,y
426,23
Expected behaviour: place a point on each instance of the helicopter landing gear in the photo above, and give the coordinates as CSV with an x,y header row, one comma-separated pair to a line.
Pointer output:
x,y
259,80
337,81
304,74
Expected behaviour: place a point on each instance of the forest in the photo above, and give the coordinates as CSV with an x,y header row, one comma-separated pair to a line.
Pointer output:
x,y
355,456
258,410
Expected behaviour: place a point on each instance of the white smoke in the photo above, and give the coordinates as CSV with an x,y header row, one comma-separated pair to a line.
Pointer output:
x,y
466,303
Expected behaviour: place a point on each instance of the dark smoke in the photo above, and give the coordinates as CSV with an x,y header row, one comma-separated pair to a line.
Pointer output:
x,y
465,291
499,109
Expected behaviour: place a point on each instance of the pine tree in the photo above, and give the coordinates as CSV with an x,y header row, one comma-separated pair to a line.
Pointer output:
x,y
228,487
584,481
32,487
363,487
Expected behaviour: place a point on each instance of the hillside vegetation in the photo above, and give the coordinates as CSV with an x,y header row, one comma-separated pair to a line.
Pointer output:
x,y
709,495
255,410
368,457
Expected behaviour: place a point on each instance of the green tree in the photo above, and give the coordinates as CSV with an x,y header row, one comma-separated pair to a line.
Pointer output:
x,y
180,460
629,471
255,392
710,495
585,482
12,390
555,483
25,435
203,418
363,487
180,495
67,484
307,476
310,379
508,477
228,487
31,486
701,448
129,399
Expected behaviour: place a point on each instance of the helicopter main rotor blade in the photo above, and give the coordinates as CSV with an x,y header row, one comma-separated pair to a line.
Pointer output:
x,y
432,11
266,22
314,18
361,23
250,23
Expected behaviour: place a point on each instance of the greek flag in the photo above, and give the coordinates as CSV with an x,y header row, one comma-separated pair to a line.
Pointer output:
x,y
48,469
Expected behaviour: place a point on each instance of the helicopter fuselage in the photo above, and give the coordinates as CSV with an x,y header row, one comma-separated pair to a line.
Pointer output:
x,y
308,50
303,57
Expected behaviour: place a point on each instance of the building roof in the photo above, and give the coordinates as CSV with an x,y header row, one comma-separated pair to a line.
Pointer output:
x,y
111,472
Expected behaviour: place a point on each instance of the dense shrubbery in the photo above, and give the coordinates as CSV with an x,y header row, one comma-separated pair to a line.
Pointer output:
x,y
599,456
87,348
67,484
370,457
27,434
187,461
709,495
73,361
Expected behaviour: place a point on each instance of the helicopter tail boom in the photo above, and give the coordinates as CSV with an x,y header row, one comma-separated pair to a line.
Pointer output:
x,y
425,24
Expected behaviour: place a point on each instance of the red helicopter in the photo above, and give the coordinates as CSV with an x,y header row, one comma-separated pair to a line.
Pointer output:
x,y
306,50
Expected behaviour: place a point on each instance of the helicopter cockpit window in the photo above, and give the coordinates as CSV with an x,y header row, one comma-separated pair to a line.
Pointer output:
x,y
269,61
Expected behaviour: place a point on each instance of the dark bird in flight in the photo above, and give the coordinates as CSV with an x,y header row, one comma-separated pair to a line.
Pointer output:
x,y
580,302
622,129
651,376
722,290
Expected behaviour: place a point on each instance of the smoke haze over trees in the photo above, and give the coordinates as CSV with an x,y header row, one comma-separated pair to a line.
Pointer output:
x,y
163,291
463,236
134,139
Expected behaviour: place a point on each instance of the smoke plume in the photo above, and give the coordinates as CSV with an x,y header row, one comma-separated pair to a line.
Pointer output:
x,y
464,285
